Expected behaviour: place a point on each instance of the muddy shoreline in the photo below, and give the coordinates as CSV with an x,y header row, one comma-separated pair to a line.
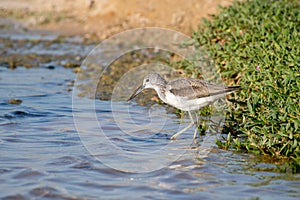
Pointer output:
x,y
38,24
99,19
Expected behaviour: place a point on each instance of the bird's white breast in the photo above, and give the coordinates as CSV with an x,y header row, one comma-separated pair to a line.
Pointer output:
x,y
185,104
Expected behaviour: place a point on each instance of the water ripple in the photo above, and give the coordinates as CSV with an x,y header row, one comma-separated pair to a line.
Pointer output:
x,y
42,155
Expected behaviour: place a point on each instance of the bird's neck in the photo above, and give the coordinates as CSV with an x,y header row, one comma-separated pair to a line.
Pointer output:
x,y
160,90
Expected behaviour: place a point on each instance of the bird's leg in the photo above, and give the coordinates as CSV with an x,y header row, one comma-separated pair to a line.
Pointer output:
x,y
186,128
197,123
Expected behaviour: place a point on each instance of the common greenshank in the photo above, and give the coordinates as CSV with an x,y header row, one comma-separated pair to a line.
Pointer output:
x,y
186,94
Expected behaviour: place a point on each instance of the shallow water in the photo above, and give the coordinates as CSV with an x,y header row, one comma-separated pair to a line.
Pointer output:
x,y
42,154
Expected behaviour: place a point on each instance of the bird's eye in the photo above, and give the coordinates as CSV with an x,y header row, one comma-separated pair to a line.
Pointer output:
x,y
147,80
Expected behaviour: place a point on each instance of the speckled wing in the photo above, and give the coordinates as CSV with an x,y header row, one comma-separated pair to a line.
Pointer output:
x,y
196,88
190,88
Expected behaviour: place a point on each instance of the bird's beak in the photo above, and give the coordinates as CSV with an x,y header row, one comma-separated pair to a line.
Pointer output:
x,y
136,92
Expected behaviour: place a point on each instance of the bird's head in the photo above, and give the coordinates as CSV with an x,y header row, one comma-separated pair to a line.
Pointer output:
x,y
152,80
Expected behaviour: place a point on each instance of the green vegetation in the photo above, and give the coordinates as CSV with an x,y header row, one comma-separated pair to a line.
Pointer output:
x,y
256,44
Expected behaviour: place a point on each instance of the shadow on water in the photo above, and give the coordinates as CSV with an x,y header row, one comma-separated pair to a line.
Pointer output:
x,y
43,156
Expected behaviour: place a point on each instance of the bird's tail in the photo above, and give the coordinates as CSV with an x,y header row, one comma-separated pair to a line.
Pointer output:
x,y
223,90
230,89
